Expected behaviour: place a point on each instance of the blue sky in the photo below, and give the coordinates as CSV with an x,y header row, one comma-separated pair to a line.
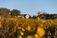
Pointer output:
x,y
30,6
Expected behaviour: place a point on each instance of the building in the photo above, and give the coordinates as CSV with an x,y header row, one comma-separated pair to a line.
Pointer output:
x,y
22,15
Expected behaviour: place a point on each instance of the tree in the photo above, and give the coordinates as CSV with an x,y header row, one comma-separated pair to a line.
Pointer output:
x,y
4,12
15,12
41,12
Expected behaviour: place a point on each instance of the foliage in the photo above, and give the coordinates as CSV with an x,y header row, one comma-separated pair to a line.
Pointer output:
x,y
4,12
15,12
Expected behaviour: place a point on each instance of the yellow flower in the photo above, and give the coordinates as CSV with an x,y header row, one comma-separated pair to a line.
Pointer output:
x,y
22,33
37,36
29,36
23,29
20,37
29,28
40,31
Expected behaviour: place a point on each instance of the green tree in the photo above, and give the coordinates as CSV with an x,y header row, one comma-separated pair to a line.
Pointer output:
x,y
15,12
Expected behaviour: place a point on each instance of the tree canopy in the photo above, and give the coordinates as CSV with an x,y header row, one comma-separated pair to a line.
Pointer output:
x,y
15,12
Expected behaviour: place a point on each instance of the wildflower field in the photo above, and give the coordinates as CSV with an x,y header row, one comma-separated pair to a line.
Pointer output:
x,y
15,27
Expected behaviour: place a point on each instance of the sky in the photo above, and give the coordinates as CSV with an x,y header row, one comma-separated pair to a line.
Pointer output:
x,y
31,7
